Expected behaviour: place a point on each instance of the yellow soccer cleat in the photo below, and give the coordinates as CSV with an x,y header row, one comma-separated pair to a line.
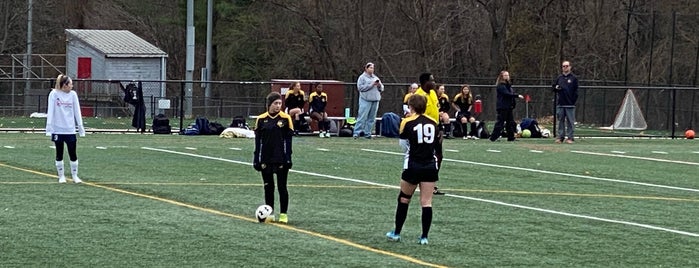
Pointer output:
x,y
283,218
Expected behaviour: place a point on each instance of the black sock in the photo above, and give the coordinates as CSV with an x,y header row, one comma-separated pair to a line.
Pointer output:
x,y
473,129
464,128
426,221
401,215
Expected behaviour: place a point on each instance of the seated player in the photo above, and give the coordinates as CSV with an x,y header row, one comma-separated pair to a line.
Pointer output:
x,y
317,102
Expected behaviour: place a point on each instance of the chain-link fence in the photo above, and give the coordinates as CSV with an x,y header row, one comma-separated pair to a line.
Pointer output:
x,y
662,107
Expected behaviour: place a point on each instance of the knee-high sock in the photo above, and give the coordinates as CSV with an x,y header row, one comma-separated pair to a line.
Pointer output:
x,y
426,221
473,129
447,129
74,168
464,129
401,215
60,170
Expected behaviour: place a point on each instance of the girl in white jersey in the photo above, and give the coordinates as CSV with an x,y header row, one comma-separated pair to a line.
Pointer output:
x,y
63,118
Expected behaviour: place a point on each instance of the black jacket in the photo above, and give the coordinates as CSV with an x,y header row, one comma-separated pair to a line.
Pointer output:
x,y
506,97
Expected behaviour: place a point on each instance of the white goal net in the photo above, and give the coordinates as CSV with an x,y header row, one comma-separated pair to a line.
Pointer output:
x,y
629,116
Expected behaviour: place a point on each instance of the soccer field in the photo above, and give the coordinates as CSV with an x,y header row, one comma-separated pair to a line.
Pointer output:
x,y
188,201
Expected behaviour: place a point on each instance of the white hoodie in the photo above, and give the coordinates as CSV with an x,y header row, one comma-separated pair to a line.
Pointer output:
x,y
64,113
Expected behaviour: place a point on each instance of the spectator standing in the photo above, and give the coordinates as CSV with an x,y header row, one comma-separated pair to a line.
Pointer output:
x,y
370,88
505,106
566,89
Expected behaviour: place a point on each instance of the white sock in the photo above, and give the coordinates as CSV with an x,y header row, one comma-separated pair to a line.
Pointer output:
x,y
74,168
59,169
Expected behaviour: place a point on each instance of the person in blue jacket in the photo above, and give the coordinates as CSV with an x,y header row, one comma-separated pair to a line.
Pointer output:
x,y
566,89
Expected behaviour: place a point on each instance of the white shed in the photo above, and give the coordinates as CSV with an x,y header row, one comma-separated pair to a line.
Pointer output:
x,y
114,55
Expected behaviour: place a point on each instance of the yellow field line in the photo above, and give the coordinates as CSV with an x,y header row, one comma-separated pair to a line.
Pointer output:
x,y
221,213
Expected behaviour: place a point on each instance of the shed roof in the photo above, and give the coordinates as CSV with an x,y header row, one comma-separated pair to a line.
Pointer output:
x,y
116,43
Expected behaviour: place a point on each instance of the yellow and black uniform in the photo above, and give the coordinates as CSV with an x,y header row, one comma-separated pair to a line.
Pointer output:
x,y
464,103
444,104
406,110
273,138
421,163
273,133
294,100
317,102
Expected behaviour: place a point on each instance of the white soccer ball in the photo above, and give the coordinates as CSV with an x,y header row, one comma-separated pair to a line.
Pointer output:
x,y
545,133
263,212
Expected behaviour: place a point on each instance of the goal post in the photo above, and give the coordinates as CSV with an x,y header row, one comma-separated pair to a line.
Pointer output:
x,y
629,116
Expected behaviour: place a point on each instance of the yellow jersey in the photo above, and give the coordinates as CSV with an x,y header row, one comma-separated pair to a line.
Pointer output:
x,y
432,110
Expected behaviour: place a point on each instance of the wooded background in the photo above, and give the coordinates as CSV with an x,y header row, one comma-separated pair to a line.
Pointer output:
x,y
643,42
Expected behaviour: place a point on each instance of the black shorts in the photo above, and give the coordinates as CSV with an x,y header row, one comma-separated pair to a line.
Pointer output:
x,y
64,138
460,115
416,176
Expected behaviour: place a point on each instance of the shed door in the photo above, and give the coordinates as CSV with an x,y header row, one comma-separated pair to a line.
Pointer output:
x,y
84,68
84,72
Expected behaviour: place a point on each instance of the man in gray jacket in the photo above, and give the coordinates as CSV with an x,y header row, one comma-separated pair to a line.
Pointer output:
x,y
370,88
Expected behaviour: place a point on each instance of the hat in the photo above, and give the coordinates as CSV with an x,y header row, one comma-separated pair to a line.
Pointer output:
x,y
272,97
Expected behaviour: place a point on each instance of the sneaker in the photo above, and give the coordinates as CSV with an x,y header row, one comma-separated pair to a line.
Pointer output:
x,y
569,141
62,180
559,141
327,134
474,137
467,137
437,192
422,241
393,236
270,219
77,180
321,135
283,218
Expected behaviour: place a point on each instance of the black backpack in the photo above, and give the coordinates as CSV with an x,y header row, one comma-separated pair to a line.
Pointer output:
x,y
216,128
347,130
532,125
456,130
161,124
482,130
239,122
202,124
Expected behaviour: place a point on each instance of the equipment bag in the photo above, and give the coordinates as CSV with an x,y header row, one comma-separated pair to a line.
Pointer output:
x,y
161,125
202,124
390,124
482,130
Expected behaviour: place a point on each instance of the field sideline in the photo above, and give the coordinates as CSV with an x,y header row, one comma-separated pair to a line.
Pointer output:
x,y
594,203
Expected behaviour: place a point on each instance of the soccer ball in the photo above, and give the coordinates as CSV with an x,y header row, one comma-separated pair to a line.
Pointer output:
x,y
689,134
526,133
545,133
263,212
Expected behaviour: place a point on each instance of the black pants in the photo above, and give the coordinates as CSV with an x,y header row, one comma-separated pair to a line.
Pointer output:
x,y
268,180
505,120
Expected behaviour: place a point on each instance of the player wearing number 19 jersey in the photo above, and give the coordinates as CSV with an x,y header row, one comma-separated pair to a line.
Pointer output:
x,y
418,138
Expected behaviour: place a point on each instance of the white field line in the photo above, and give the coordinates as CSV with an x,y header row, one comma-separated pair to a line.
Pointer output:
x,y
652,227
554,173
640,157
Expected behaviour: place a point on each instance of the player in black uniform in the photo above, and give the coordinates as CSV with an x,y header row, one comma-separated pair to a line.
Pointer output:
x,y
419,136
463,102
444,107
273,132
317,102
294,101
